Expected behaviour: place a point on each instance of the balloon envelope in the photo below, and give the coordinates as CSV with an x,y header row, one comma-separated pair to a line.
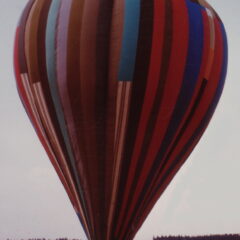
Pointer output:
x,y
119,93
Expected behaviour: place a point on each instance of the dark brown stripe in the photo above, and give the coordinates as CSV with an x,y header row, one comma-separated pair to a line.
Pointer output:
x,y
158,100
73,71
167,44
160,161
44,81
41,54
153,192
37,57
195,1
200,127
73,86
188,120
101,107
138,92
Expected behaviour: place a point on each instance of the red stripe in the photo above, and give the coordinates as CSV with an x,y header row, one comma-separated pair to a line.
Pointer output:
x,y
200,113
205,55
35,124
206,49
173,84
152,83
20,87
209,92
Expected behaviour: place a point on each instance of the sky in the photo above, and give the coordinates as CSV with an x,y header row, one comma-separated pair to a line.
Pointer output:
x,y
203,198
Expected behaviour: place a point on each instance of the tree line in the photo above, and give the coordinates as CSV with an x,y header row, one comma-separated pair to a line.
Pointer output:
x,y
47,239
207,237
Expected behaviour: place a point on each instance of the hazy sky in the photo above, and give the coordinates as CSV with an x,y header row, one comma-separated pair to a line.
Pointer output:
x,y
203,198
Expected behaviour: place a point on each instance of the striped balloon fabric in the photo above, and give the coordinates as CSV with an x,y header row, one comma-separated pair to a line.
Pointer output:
x,y
119,93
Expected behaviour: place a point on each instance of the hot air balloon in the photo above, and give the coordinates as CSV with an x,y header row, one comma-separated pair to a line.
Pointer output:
x,y
119,93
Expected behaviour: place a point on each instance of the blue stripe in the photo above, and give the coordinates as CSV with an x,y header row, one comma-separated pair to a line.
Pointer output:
x,y
81,222
50,48
52,75
52,80
191,75
216,98
130,39
203,124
